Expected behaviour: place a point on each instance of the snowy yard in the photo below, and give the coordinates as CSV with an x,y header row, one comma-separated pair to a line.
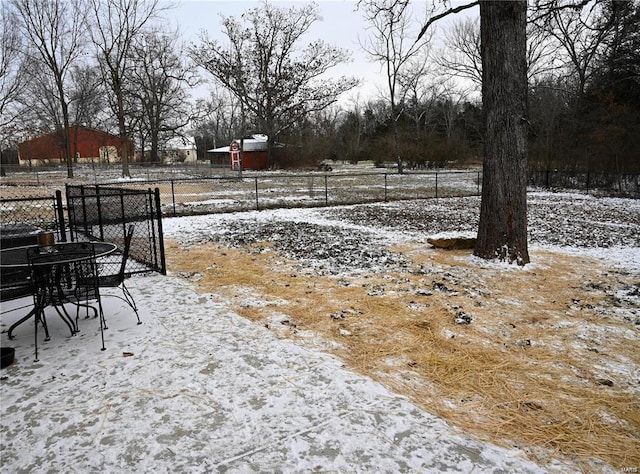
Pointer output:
x,y
337,339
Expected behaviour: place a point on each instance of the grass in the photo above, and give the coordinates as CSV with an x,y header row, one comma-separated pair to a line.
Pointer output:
x,y
547,362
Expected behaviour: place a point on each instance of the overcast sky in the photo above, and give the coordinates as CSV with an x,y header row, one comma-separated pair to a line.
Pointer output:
x,y
342,25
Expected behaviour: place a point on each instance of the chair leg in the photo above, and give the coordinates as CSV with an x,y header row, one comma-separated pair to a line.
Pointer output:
x,y
35,331
40,318
103,323
130,301
43,320
87,307
31,314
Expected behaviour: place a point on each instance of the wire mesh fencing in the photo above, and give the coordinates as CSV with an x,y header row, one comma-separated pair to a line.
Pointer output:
x,y
623,185
277,190
104,213
20,215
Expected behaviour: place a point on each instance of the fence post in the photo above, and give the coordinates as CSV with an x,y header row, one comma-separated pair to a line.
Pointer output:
x,y
158,217
620,183
60,215
123,215
436,185
546,179
173,198
99,209
326,191
84,209
478,183
257,203
386,197
587,184
70,211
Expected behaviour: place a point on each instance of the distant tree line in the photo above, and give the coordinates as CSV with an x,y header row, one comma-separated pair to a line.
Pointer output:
x,y
584,100
113,67
105,64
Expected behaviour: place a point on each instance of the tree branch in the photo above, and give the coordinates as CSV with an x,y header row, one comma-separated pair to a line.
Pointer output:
x,y
552,6
443,14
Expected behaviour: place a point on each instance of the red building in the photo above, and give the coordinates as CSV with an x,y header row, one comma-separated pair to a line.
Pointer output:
x,y
87,146
254,156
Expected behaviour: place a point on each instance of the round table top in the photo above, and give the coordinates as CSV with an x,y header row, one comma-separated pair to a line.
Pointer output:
x,y
64,252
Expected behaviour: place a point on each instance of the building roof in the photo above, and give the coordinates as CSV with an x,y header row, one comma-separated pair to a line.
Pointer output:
x,y
73,129
250,143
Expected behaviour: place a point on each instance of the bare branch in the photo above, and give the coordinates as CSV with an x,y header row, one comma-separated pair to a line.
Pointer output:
x,y
550,7
451,11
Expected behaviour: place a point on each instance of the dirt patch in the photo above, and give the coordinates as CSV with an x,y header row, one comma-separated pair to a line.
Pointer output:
x,y
543,357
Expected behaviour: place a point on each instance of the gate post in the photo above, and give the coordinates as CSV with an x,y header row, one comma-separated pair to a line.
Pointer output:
x,y
60,215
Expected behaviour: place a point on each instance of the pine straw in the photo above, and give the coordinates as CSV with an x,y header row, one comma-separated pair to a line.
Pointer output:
x,y
550,395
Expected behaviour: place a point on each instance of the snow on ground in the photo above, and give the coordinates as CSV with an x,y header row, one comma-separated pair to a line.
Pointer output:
x,y
208,391
197,388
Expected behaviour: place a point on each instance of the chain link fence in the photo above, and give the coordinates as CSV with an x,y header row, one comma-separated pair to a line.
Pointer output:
x,y
97,173
104,213
184,196
32,215
623,185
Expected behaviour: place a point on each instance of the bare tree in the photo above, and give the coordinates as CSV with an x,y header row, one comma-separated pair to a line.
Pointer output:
x,y
159,82
451,98
274,80
38,106
88,103
461,54
54,30
582,31
580,40
12,79
114,26
12,73
390,44
418,91
351,130
217,118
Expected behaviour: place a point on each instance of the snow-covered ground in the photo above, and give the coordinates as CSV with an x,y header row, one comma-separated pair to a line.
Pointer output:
x,y
198,388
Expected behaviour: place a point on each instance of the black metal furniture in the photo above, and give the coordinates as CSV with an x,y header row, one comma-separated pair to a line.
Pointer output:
x,y
116,280
62,273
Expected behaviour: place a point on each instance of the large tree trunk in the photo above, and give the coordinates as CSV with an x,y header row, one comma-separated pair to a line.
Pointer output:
x,y
502,232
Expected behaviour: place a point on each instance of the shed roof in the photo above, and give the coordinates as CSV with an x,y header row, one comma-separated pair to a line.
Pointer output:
x,y
250,143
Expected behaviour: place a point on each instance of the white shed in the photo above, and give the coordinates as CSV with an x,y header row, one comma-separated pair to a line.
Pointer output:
x,y
181,149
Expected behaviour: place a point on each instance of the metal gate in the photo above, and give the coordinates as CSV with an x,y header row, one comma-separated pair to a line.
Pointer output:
x,y
104,212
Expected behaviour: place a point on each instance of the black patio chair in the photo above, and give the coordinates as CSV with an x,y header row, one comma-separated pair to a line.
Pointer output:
x,y
84,288
117,280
